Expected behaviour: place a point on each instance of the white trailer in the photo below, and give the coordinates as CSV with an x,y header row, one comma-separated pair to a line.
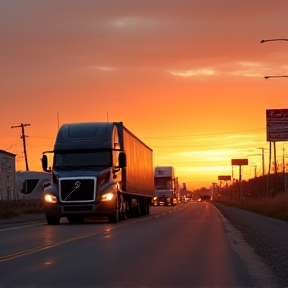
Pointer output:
x,y
30,184
165,186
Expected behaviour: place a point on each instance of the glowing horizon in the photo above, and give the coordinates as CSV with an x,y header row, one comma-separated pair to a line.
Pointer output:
x,y
187,78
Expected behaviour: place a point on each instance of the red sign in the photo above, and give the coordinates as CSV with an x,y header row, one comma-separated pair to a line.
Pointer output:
x,y
224,177
239,162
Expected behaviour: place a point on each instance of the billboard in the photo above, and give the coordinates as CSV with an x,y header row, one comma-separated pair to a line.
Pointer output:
x,y
239,162
225,177
277,125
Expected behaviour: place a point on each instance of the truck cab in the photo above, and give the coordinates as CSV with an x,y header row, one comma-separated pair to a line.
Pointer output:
x,y
89,174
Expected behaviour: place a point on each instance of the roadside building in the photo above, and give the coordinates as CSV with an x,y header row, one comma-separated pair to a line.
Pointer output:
x,y
7,176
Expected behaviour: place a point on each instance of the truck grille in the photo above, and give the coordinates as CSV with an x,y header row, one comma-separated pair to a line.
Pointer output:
x,y
77,189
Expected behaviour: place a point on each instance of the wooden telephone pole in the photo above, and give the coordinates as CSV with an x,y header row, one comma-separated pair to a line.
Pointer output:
x,y
23,137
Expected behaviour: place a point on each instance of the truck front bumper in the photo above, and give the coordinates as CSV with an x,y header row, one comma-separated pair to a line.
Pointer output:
x,y
104,208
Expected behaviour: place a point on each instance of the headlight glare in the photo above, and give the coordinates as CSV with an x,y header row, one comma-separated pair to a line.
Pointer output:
x,y
107,197
50,198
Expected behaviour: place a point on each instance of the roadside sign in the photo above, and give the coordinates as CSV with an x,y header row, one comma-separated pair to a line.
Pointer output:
x,y
277,125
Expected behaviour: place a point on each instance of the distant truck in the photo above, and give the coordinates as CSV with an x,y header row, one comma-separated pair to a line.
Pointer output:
x,y
99,169
166,186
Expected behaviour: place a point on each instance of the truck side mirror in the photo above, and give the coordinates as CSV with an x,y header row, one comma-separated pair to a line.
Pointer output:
x,y
45,164
122,160
122,163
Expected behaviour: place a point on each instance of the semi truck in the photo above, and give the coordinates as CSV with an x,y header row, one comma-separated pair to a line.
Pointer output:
x,y
99,169
166,186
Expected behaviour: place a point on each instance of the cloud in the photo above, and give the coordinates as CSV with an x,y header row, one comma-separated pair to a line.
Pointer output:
x,y
240,68
106,69
132,22
197,72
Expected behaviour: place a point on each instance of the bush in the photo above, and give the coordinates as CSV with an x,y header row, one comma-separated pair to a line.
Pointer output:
x,y
274,207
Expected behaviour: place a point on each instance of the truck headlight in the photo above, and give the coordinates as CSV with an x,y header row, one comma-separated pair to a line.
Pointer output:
x,y
107,197
50,198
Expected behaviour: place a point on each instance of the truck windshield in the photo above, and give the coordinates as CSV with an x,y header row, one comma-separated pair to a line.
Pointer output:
x,y
82,159
163,183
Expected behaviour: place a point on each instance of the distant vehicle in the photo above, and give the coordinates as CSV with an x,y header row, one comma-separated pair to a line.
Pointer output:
x,y
30,184
99,169
188,198
165,186
205,198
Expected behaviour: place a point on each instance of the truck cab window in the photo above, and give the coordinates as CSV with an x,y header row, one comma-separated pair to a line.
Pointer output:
x,y
101,158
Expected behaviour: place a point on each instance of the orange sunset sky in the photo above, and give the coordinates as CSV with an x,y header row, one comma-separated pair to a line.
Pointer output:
x,y
186,77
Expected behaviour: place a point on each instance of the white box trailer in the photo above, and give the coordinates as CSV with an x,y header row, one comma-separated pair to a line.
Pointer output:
x,y
165,186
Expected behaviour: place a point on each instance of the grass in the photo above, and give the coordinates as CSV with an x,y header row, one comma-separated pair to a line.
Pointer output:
x,y
8,214
11,209
274,207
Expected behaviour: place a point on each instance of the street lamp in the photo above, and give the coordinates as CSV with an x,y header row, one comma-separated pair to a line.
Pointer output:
x,y
267,77
277,39
275,76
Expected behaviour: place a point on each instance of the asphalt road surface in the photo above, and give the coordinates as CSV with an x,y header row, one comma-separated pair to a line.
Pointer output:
x,y
187,245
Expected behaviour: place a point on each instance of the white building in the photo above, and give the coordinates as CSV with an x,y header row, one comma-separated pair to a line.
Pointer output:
x,y
7,176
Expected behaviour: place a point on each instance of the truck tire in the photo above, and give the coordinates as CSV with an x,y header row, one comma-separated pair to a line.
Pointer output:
x,y
53,220
138,210
122,208
148,209
114,218
144,207
123,215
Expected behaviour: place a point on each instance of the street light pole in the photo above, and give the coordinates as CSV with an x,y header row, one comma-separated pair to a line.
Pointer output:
x,y
275,76
267,77
269,40
263,166
277,39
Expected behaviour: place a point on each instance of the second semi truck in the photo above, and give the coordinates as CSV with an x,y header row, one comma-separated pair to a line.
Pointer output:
x,y
166,186
99,169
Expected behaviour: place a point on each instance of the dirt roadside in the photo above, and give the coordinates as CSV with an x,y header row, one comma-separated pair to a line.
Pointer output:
x,y
23,218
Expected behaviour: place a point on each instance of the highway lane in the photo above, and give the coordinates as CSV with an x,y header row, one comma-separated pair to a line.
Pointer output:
x,y
186,245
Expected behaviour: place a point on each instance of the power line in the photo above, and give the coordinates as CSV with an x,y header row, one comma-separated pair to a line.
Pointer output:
x,y
201,135
42,137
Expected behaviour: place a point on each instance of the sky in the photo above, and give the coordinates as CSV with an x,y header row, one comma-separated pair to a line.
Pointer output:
x,y
186,77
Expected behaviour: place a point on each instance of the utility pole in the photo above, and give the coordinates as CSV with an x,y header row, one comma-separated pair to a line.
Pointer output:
x,y
23,137
263,166
255,170
284,178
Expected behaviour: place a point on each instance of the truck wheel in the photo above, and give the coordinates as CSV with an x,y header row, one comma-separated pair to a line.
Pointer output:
x,y
75,219
123,215
114,218
148,209
53,220
144,207
138,209
122,208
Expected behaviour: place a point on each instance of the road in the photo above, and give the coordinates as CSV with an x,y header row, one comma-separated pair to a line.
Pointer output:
x,y
187,245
